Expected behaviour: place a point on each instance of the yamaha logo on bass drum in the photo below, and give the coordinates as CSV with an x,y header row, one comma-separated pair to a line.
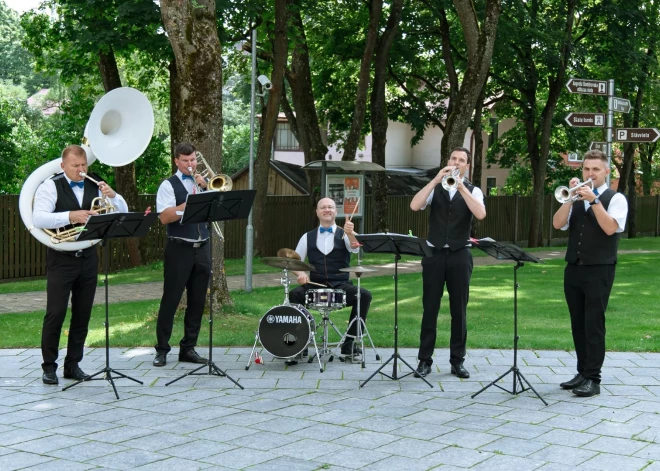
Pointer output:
x,y
271,319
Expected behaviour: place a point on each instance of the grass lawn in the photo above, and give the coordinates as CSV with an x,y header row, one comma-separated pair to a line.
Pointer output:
x,y
632,320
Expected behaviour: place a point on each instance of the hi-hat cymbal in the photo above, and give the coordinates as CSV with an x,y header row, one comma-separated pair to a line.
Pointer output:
x,y
288,253
287,264
357,269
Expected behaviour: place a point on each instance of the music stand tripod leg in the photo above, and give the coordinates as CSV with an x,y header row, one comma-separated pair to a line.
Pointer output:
x,y
107,370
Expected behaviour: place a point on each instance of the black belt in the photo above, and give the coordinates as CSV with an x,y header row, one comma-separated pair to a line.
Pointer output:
x,y
77,253
188,243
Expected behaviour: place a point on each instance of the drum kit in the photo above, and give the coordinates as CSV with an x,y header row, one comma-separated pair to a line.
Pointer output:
x,y
287,330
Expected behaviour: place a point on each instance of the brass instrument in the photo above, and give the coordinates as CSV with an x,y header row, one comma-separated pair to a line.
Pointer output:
x,y
564,194
100,204
214,182
450,181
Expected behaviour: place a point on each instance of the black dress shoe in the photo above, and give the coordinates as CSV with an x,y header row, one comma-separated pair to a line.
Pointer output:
x,y
161,359
76,373
587,389
460,371
49,377
191,356
577,380
422,369
350,348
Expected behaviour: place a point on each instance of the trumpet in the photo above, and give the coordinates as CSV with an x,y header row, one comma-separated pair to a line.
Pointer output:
x,y
100,204
450,181
564,194
214,182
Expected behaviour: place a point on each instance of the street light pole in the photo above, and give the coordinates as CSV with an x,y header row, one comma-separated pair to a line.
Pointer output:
x,y
249,231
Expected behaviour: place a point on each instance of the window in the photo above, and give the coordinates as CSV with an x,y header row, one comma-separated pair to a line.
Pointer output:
x,y
494,134
284,138
491,184
574,157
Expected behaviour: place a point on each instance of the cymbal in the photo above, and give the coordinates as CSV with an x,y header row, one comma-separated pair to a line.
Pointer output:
x,y
287,264
357,269
288,253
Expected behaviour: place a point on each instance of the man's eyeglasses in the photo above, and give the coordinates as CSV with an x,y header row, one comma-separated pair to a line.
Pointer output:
x,y
326,207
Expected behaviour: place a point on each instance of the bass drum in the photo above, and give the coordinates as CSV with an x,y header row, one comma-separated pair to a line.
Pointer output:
x,y
285,331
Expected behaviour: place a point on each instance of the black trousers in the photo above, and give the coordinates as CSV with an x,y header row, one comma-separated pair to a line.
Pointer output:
x,y
189,268
453,269
587,289
297,296
74,277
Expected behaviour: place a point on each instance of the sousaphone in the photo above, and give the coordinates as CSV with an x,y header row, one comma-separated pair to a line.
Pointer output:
x,y
117,133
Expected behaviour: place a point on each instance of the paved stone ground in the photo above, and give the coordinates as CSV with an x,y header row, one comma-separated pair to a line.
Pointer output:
x,y
294,418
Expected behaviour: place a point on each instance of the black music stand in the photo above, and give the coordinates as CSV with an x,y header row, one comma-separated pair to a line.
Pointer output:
x,y
503,251
396,244
208,207
106,227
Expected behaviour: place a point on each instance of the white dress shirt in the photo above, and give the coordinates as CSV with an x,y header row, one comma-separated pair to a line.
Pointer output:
x,y
476,192
165,198
45,199
325,242
618,209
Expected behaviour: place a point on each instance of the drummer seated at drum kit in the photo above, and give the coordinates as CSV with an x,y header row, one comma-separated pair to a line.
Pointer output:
x,y
328,248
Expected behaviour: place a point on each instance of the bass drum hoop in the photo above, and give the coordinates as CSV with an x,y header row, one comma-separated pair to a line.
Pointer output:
x,y
286,339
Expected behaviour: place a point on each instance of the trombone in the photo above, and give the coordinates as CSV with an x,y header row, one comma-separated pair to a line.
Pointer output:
x,y
564,194
214,182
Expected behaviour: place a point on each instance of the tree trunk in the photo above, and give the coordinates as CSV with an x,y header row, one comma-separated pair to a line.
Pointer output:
x,y
359,112
477,156
480,42
379,117
646,153
268,125
306,120
632,205
192,30
125,175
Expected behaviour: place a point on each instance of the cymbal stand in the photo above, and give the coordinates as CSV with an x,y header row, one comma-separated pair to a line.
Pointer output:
x,y
285,282
360,326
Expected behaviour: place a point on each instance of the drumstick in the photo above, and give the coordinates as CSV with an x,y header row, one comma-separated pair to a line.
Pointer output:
x,y
317,284
354,209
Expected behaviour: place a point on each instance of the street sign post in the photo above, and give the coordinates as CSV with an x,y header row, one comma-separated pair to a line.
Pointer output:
x,y
637,134
601,146
587,87
586,120
622,105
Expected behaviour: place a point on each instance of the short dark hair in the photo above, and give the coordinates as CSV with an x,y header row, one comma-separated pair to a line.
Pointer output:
x,y
73,150
183,148
595,154
463,149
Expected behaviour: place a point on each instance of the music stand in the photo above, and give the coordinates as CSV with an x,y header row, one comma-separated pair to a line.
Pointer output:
x,y
503,251
396,244
208,207
106,227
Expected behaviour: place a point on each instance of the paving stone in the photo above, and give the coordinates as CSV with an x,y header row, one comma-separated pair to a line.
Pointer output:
x,y
507,463
128,459
62,465
48,444
564,455
196,449
610,462
457,456
19,435
286,463
351,458
466,438
651,452
366,439
87,451
309,449
240,458
411,448
21,459
513,446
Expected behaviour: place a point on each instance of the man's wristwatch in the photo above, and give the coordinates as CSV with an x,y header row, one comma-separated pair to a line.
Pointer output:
x,y
595,201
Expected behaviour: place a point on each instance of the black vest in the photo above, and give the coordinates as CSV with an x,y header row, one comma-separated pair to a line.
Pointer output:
x,y
586,240
66,198
184,231
450,220
327,266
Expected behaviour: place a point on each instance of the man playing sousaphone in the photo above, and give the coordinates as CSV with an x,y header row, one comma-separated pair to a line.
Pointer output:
x,y
329,249
61,201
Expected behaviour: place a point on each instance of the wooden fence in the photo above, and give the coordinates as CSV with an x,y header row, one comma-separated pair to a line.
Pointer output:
x,y
287,218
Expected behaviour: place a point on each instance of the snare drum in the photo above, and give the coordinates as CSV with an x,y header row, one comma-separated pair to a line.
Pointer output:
x,y
325,298
285,331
